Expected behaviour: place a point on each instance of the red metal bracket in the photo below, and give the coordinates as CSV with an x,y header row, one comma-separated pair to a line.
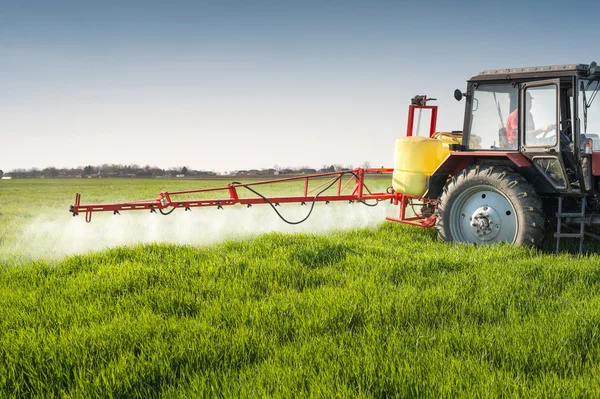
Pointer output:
x,y
411,116
418,218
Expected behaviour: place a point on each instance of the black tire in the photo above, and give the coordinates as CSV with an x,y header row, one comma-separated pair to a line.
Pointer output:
x,y
486,204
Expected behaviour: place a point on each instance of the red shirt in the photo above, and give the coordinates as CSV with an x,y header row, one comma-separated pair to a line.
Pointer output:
x,y
512,126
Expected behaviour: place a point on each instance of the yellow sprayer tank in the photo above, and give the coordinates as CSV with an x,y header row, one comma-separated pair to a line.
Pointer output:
x,y
416,158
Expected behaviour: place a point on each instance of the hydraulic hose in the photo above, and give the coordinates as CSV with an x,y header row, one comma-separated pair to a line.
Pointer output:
x,y
314,201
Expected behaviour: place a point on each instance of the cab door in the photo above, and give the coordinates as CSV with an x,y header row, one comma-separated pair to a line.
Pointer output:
x,y
539,130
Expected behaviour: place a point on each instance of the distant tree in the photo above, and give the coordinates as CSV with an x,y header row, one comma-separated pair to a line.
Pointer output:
x,y
156,171
17,173
366,165
50,172
88,170
1,173
110,168
184,170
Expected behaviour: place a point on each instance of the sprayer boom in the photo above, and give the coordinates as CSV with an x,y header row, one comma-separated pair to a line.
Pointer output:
x,y
329,187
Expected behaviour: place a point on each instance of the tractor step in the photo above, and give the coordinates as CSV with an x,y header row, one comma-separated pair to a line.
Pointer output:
x,y
571,215
560,215
569,235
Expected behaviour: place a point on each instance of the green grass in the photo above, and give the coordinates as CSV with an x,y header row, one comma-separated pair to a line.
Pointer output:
x,y
385,312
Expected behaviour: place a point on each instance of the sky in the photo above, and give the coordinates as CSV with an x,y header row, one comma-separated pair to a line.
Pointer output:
x,y
228,85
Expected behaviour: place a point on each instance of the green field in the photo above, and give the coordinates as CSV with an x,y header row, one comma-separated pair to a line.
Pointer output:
x,y
377,311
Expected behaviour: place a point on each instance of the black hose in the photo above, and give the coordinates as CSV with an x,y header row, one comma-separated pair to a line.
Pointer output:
x,y
314,201
312,206
166,213
365,203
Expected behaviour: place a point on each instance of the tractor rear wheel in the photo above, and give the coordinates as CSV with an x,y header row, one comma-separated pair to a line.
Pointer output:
x,y
487,204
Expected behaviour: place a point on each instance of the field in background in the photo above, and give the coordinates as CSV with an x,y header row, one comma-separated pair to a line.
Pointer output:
x,y
379,311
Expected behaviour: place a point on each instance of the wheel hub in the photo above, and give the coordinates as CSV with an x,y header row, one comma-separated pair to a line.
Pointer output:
x,y
483,215
485,222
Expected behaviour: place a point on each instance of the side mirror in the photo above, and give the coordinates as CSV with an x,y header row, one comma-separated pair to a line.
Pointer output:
x,y
593,67
458,95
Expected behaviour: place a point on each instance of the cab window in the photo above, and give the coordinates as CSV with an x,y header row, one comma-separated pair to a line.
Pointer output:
x,y
491,107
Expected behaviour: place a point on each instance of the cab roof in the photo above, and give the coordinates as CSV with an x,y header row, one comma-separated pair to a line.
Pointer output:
x,y
547,71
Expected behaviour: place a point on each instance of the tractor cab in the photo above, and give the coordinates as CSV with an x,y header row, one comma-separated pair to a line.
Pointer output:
x,y
545,114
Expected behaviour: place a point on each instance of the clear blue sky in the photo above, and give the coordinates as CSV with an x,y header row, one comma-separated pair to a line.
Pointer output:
x,y
225,85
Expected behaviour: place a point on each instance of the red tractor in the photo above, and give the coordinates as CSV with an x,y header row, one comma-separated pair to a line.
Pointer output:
x,y
528,158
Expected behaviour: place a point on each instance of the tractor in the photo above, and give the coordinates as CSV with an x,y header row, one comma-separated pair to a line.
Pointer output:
x,y
526,161
529,158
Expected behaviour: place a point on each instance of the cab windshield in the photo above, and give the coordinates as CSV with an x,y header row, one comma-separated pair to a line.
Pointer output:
x,y
491,107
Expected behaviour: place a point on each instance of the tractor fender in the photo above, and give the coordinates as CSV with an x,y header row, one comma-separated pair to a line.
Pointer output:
x,y
459,160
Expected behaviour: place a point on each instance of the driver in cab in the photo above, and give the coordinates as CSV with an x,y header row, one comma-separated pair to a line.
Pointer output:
x,y
512,124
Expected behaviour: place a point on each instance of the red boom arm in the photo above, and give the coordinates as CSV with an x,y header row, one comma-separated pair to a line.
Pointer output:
x,y
166,200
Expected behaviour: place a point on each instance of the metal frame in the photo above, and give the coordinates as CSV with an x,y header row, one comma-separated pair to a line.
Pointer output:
x,y
412,108
167,199
417,219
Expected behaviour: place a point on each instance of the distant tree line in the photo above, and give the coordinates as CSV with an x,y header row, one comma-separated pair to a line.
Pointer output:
x,y
107,171
136,171
277,170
